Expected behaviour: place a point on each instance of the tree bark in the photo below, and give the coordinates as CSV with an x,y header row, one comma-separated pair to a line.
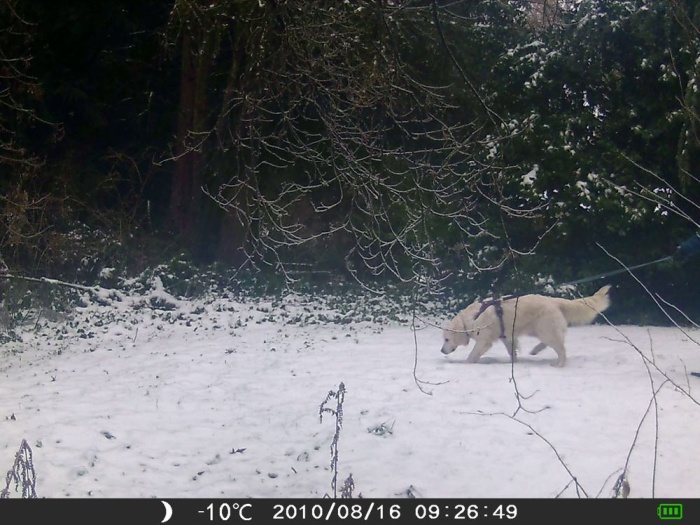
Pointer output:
x,y
187,203
180,197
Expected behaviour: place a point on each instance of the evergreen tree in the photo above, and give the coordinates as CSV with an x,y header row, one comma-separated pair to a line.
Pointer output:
x,y
595,98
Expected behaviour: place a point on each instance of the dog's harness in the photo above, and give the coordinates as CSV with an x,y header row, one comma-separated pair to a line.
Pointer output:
x,y
496,303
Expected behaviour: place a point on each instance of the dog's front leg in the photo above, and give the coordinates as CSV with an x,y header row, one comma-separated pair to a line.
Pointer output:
x,y
512,347
479,349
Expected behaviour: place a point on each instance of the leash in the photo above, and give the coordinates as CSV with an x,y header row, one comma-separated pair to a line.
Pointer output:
x,y
618,271
603,275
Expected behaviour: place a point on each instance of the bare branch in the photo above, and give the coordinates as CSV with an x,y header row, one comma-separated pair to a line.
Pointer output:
x,y
328,134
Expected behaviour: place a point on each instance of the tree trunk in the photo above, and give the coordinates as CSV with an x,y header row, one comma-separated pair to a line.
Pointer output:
x,y
180,197
188,213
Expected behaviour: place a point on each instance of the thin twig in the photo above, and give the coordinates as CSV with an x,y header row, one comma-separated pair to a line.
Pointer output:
x,y
579,487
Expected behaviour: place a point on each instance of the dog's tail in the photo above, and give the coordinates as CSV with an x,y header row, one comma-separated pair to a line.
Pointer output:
x,y
584,310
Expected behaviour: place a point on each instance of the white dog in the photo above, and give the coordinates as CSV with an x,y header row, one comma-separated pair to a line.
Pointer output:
x,y
537,315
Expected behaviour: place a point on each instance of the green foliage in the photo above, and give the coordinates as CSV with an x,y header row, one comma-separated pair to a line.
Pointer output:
x,y
595,100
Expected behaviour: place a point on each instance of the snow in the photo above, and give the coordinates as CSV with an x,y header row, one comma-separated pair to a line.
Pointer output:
x,y
531,176
221,398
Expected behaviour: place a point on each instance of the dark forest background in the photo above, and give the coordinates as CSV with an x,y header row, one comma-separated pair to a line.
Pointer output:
x,y
455,147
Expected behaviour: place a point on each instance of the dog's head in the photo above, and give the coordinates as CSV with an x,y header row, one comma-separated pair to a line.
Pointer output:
x,y
454,335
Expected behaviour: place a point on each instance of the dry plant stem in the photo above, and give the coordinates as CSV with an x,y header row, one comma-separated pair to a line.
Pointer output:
x,y
621,488
337,413
518,395
656,301
657,198
414,328
22,473
653,365
681,312
650,365
579,488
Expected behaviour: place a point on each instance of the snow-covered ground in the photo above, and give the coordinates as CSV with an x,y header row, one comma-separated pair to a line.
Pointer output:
x,y
153,396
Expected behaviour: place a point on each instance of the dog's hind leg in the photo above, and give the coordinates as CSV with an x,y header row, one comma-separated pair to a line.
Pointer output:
x,y
538,348
551,332
561,353
556,341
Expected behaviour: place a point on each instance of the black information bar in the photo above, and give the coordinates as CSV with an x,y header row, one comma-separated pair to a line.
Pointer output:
x,y
398,511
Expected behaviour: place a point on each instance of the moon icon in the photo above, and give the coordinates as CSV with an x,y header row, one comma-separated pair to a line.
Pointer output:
x,y
168,511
